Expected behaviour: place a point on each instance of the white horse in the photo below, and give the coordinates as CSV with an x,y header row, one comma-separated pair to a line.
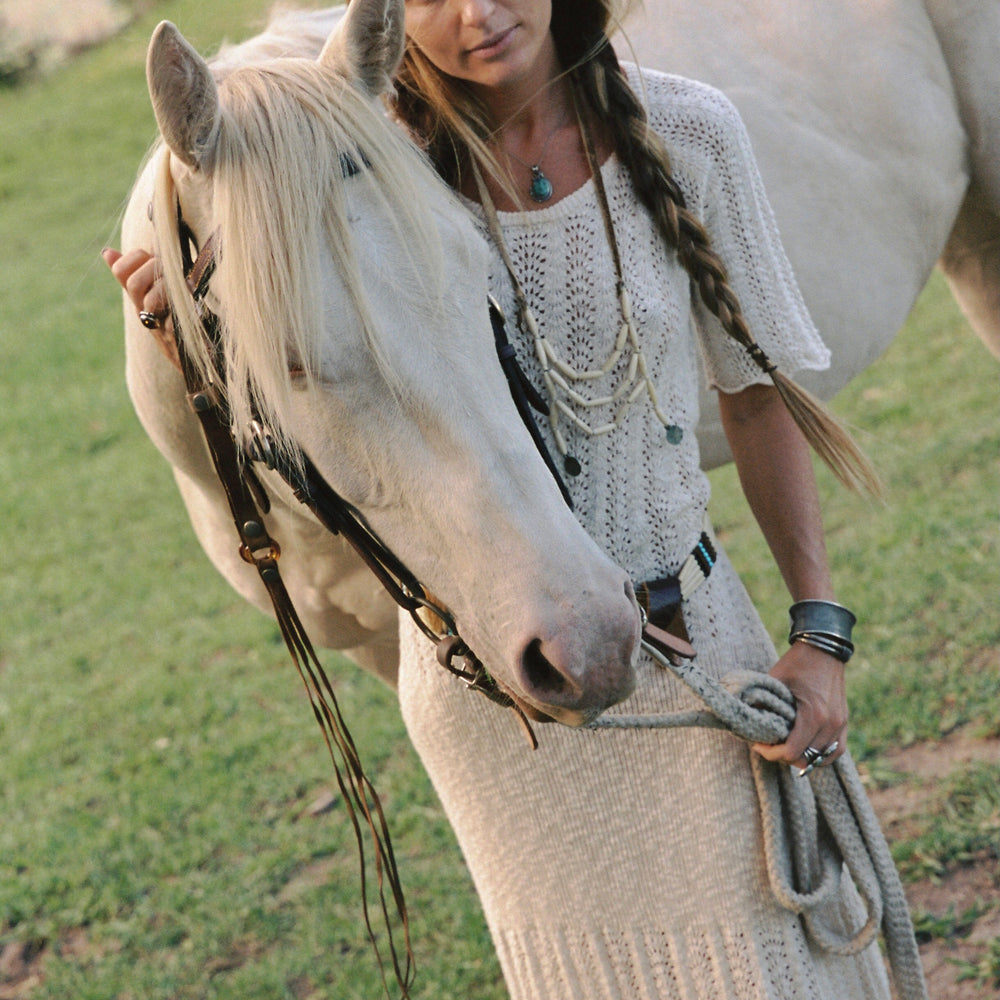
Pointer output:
x,y
878,135
352,290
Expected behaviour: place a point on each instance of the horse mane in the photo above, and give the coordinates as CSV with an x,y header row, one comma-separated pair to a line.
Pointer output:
x,y
293,137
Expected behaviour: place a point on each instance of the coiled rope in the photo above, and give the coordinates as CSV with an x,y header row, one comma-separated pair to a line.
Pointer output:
x,y
760,709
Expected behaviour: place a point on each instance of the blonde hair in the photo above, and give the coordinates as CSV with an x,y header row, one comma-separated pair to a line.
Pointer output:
x,y
454,128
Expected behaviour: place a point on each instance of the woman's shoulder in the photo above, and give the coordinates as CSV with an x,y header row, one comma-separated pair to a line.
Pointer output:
x,y
680,107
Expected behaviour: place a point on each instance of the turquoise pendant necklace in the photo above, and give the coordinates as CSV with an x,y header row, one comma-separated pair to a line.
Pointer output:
x,y
541,186
540,189
602,411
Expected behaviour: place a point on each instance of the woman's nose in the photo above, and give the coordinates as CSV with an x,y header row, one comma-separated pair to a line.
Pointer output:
x,y
476,12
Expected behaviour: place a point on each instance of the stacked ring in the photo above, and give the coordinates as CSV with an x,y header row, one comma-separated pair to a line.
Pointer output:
x,y
816,758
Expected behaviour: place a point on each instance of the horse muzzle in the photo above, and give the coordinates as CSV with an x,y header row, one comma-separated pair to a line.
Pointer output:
x,y
573,673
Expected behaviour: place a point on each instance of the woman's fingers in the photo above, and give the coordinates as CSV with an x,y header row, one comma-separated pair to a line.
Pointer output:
x,y
817,751
138,272
124,265
822,751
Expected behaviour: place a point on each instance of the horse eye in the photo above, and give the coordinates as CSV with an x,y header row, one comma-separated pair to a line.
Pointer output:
x,y
350,165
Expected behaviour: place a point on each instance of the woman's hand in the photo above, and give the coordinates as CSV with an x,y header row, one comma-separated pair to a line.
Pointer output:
x,y
138,272
816,679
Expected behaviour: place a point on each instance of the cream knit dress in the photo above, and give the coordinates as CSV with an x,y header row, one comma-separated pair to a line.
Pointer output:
x,y
627,864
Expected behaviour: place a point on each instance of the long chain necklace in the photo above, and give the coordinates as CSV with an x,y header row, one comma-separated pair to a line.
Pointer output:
x,y
560,378
541,188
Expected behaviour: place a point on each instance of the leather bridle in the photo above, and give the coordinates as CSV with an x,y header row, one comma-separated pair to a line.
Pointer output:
x,y
248,503
242,486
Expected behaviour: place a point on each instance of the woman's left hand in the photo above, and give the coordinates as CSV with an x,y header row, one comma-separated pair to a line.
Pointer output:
x,y
816,679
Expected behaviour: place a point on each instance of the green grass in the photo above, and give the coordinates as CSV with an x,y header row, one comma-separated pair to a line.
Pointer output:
x,y
950,925
157,756
986,971
960,823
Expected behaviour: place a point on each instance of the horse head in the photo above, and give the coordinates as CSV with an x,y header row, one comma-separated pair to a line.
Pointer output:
x,y
351,288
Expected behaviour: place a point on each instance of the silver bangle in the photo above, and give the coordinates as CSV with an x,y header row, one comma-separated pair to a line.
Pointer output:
x,y
825,617
842,651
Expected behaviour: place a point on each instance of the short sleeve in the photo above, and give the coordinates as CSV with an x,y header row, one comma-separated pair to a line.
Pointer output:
x,y
704,132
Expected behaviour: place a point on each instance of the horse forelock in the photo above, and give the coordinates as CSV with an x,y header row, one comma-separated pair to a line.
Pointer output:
x,y
292,138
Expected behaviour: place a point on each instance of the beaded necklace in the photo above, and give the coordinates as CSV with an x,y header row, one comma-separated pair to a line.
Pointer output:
x,y
560,378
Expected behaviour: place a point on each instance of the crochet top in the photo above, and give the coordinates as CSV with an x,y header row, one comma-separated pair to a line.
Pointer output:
x,y
564,263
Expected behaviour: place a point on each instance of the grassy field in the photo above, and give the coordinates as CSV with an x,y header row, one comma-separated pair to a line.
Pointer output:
x,y
158,764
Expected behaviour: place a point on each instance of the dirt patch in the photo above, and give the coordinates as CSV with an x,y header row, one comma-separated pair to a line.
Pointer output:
x,y
904,778
963,906
927,761
20,968
318,873
972,890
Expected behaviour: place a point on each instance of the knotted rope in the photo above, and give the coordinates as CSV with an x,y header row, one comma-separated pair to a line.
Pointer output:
x,y
760,709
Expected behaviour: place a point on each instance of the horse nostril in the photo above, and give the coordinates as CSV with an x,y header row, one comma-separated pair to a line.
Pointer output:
x,y
542,678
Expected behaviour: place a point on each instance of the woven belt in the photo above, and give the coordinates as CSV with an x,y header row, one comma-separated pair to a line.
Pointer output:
x,y
660,599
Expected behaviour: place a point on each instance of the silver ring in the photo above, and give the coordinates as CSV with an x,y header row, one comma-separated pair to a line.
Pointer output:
x,y
149,320
814,758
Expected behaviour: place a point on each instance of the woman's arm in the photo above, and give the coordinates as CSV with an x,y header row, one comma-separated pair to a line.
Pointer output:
x,y
776,473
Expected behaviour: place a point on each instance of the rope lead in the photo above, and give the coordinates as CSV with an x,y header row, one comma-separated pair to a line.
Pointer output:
x,y
760,709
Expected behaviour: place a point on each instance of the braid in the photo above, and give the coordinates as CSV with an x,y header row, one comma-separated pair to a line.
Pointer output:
x,y
603,83
607,93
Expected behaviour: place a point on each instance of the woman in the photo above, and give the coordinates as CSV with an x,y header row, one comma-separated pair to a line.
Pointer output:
x,y
627,863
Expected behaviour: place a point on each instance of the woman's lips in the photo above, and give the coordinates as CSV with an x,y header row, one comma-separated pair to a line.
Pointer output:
x,y
494,44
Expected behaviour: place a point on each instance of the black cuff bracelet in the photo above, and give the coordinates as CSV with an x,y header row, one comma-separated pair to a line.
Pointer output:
x,y
824,625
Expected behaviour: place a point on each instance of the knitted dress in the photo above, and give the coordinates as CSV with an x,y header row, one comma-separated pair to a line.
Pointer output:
x,y
627,864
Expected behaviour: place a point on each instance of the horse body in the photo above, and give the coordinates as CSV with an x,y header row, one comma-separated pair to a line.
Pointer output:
x,y
969,31
364,338
876,130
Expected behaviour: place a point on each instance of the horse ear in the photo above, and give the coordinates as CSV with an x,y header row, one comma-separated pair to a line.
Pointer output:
x,y
184,95
368,43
